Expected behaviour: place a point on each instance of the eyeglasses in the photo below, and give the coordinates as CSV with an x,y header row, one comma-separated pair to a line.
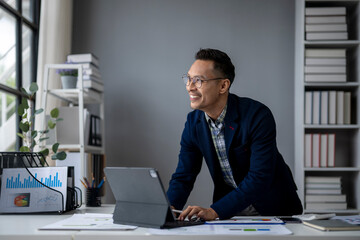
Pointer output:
x,y
196,80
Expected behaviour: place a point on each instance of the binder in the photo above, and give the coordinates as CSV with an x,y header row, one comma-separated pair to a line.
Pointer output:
x,y
29,185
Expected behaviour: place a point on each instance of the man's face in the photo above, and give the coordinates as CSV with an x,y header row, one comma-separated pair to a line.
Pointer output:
x,y
206,97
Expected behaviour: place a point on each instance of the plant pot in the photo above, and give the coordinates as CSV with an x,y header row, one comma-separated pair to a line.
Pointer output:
x,y
68,82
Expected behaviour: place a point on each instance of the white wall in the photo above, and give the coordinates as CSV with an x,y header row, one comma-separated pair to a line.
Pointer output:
x,y
145,46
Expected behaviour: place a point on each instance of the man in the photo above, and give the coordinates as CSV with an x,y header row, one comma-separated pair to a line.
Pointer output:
x,y
237,138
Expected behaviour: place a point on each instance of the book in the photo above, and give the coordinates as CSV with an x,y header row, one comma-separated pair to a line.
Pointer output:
x,y
92,71
308,107
331,150
323,153
340,107
323,191
347,108
324,108
325,11
83,58
323,185
325,69
332,107
325,19
331,225
308,150
325,61
316,107
326,36
325,53
316,150
325,198
320,179
326,27
325,77
93,85
326,206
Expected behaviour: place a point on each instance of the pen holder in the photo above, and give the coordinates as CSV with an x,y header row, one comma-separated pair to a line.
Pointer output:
x,y
93,198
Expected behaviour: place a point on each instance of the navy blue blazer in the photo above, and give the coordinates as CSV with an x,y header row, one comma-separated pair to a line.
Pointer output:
x,y
260,172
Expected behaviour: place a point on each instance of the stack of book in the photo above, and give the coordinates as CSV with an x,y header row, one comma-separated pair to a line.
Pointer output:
x,y
325,65
319,150
326,23
91,74
324,193
327,107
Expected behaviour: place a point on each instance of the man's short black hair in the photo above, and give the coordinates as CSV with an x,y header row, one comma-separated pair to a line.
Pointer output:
x,y
222,62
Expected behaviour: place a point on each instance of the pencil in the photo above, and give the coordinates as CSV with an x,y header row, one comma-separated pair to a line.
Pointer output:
x,y
83,183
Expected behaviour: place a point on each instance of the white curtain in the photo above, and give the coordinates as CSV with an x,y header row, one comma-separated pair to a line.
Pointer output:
x,y
54,46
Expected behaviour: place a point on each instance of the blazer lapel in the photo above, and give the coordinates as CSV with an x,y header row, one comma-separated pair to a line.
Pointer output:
x,y
231,124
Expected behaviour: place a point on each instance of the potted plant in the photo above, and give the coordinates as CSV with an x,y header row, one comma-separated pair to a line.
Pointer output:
x,y
68,77
32,137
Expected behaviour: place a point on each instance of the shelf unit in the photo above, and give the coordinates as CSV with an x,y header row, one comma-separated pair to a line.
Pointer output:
x,y
347,157
76,97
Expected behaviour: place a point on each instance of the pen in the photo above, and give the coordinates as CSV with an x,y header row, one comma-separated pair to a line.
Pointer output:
x,y
83,183
87,183
101,183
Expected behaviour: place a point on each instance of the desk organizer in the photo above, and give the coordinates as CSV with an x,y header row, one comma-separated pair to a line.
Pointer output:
x,y
28,185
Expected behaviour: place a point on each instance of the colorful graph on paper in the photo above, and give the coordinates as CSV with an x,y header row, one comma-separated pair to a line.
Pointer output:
x,y
22,192
30,182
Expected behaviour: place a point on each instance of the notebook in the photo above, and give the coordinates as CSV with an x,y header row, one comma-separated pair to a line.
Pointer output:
x,y
141,199
332,225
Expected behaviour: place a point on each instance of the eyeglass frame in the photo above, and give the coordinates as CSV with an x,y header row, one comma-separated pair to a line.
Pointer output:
x,y
186,79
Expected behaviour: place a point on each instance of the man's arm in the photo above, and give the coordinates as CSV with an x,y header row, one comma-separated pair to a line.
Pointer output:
x,y
189,166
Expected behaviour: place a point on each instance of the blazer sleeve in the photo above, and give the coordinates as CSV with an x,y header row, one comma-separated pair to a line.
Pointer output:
x,y
263,157
189,166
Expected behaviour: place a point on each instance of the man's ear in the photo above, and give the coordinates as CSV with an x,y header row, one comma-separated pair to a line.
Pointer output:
x,y
224,86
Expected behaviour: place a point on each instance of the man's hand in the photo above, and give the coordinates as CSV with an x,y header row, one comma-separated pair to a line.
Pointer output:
x,y
204,213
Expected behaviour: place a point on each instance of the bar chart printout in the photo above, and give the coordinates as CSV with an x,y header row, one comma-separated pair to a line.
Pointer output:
x,y
21,192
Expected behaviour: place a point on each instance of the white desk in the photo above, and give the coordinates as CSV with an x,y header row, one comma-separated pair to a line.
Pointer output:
x,y
25,227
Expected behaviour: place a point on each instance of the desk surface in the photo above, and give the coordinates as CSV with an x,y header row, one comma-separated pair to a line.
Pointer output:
x,y
25,227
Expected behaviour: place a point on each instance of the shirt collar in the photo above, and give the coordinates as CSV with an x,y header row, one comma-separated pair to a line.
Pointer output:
x,y
219,121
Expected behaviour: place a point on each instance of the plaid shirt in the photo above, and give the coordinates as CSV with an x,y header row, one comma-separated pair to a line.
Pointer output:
x,y
217,133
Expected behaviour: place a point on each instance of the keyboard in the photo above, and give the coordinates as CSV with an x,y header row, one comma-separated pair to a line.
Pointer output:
x,y
178,223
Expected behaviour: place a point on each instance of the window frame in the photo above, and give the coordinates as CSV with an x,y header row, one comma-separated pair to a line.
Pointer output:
x,y
34,26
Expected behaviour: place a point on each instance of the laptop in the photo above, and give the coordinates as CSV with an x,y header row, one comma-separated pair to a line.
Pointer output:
x,y
141,199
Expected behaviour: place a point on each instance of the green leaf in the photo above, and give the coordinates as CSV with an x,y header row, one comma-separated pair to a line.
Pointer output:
x,y
24,149
61,155
39,111
34,134
21,110
24,103
45,131
21,135
24,116
42,139
59,119
51,124
33,87
54,157
24,91
55,147
54,113
45,152
33,144
24,126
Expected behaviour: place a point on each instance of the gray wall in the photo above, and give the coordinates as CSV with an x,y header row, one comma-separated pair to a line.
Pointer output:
x,y
144,47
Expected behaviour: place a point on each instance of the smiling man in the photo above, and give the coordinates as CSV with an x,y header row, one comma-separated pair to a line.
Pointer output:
x,y
237,138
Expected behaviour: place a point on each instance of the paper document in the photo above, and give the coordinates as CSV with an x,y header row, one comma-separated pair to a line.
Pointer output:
x,y
21,193
214,229
248,220
352,219
87,221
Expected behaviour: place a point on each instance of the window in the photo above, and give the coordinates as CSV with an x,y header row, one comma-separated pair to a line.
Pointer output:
x,y
19,31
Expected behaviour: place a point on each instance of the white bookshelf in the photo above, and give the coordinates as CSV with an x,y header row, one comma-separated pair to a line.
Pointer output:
x,y
79,97
347,157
